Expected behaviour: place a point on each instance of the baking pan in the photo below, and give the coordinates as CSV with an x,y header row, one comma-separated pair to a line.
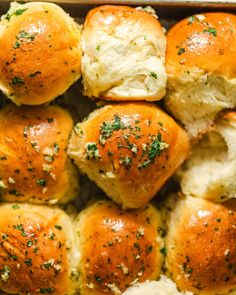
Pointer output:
x,y
171,9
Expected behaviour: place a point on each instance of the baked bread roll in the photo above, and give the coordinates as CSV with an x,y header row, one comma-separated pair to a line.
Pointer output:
x,y
200,246
201,69
210,172
123,54
38,253
40,55
118,248
129,150
162,287
34,166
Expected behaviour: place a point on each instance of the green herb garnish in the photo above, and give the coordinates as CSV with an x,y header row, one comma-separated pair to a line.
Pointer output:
x,y
17,81
211,31
154,75
41,182
181,51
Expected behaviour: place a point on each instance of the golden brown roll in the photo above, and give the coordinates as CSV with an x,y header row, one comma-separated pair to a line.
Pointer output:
x,y
34,166
201,69
118,248
210,172
40,53
123,54
129,150
200,245
38,252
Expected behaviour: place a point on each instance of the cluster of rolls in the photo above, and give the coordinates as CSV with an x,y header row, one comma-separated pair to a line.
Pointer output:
x,y
129,147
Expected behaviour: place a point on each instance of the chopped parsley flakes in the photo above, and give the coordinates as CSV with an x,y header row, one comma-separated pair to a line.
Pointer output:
x,y
211,31
107,128
41,182
17,12
191,19
23,36
28,261
92,151
17,81
181,51
154,150
154,75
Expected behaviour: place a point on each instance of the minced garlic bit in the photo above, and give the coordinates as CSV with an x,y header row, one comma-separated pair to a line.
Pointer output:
x,y
140,232
200,17
48,155
11,180
48,152
90,285
134,282
35,146
52,202
44,190
47,168
134,149
124,268
140,273
110,175
2,185
227,252
5,273
144,146
57,267
53,176
114,289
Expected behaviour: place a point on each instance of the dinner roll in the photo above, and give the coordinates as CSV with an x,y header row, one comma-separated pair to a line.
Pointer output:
x,y
123,54
118,248
39,52
129,150
38,253
210,173
201,69
200,246
162,287
34,166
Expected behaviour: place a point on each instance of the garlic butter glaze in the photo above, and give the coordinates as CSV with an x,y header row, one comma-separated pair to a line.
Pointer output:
x,y
129,150
34,166
38,252
118,248
39,52
201,249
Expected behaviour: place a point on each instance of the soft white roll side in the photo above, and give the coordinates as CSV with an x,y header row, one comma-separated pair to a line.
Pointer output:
x,y
164,286
211,171
124,54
